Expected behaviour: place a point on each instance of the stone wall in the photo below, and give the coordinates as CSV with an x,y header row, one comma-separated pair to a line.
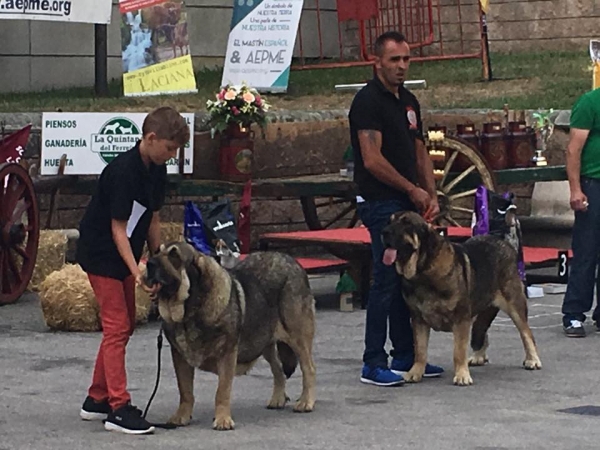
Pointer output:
x,y
36,55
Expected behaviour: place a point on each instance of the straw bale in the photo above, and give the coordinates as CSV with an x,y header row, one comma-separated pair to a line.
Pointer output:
x,y
52,250
68,301
169,232
143,302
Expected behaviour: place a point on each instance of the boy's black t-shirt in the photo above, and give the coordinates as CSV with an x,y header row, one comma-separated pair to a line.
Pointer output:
x,y
127,190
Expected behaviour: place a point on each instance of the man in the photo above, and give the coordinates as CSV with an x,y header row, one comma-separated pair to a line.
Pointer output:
x,y
583,171
393,172
122,216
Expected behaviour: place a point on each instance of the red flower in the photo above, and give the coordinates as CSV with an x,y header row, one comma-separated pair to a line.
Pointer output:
x,y
235,111
221,95
258,100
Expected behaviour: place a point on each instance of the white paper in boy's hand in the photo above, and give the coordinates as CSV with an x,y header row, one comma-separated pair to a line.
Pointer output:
x,y
137,212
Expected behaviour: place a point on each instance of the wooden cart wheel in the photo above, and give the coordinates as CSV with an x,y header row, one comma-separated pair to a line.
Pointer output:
x,y
19,231
463,169
456,185
321,213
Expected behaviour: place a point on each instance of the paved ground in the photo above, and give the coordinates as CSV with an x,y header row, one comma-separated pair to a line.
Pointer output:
x,y
44,376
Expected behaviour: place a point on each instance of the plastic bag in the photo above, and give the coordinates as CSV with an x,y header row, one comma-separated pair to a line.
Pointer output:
x,y
495,214
220,224
194,229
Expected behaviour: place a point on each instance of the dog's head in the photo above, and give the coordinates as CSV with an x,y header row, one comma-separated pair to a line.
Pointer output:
x,y
168,268
408,240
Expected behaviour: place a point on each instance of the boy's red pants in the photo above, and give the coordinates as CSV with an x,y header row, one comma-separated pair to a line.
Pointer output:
x,y
117,315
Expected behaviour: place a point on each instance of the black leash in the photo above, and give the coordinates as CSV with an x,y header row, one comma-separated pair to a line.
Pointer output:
x,y
159,344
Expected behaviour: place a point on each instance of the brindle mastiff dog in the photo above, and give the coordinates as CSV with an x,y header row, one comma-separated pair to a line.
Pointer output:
x,y
450,286
223,321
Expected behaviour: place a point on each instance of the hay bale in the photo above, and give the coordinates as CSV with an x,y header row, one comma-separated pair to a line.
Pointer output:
x,y
171,232
68,301
52,251
143,303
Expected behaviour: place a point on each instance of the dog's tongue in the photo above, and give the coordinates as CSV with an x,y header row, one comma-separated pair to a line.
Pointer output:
x,y
389,256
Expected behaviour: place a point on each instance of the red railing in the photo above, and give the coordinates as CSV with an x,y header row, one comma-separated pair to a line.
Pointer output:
x,y
435,29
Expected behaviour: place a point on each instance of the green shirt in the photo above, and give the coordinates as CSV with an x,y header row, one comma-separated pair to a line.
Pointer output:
x,y
586,116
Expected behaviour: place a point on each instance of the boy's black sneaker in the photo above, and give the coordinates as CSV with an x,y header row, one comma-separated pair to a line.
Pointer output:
x,y
128,419
92,410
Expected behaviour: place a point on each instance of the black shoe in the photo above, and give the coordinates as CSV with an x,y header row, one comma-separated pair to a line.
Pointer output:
x,y
575,329
128,419
92,410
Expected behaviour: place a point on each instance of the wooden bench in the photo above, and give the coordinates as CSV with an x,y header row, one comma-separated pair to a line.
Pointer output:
x,y
359,240
314,266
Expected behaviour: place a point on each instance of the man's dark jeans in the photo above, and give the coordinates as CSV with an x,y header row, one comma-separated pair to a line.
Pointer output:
x,y
586,251
385,296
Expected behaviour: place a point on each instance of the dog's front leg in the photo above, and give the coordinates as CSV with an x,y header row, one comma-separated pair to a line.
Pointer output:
x,y
185,382
421,334
461,331
226,372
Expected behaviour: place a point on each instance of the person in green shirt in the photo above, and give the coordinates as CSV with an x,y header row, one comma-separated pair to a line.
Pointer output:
x,y
583,172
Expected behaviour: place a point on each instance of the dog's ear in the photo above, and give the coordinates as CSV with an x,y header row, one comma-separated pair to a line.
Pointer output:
x,y
175,256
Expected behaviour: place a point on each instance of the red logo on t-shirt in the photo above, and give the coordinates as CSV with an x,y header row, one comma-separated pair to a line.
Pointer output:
x,y
411,115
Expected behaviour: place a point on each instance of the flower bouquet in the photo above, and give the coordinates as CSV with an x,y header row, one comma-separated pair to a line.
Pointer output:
x,y
236,108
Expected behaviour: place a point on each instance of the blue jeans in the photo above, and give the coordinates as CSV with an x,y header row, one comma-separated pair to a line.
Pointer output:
x,y
385,296
586,251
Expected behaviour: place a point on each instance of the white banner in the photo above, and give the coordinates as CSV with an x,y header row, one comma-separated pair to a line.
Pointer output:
x,y
92,140
86,11
261,43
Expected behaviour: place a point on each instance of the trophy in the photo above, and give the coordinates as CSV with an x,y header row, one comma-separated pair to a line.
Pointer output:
x,y
543,127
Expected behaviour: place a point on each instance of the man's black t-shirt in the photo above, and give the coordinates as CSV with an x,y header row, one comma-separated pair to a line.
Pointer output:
x,y
128,191
399,120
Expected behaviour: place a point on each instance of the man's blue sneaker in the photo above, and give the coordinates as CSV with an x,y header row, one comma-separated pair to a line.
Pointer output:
x,y
380,376
402,366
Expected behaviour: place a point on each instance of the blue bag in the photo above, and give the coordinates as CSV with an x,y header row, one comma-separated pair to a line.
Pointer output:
x,y
193,229
494,214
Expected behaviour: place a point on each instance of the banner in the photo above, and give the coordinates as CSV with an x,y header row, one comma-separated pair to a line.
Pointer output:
x,y
13,146
261,43
92,140
155,48
86,11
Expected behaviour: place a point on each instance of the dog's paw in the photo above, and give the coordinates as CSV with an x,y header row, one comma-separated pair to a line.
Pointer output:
x,y
414,376
304,406
463,378
223,423
278,401
180,419
478,360
532,364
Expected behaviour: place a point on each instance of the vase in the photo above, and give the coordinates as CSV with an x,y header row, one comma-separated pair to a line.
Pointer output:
x,y
236,153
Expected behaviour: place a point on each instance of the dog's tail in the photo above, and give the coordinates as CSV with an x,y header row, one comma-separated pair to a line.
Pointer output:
x,y
288,358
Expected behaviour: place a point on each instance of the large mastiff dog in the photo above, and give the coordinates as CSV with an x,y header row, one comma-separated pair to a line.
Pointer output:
x,y
449,286
223,321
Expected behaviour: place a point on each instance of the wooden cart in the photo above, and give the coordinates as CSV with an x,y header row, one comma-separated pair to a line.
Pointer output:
x,y
20,221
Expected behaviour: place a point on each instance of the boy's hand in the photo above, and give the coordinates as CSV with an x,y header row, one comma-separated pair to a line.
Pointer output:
x,y
139,280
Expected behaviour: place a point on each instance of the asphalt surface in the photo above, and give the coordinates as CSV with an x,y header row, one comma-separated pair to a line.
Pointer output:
x,y
44,376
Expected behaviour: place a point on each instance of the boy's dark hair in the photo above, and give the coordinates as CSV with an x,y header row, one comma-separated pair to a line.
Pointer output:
x,y
168,124
387,36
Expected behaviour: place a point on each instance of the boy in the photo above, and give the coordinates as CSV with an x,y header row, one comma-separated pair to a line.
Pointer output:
x,y
122,215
